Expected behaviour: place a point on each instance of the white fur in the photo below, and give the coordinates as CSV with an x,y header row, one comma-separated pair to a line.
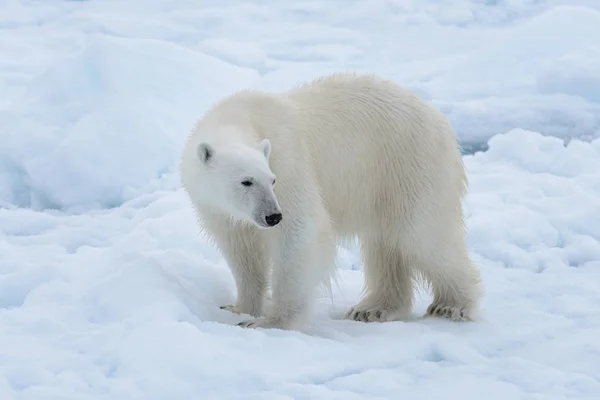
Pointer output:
x,y
353,156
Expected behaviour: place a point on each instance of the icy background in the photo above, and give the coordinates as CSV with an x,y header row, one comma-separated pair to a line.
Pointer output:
x,y
107,291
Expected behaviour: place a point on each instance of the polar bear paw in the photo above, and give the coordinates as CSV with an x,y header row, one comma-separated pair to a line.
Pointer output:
x,y
454,313
231,308
374,313
237,309
265,322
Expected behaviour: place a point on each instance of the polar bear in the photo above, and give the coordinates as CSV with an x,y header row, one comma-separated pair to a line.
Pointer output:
x,y
277,179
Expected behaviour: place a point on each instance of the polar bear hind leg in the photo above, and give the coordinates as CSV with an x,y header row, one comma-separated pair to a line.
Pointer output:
x,y
393,264
453,279
388,291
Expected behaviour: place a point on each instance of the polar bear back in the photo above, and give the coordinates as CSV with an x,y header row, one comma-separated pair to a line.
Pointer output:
x,y
378,151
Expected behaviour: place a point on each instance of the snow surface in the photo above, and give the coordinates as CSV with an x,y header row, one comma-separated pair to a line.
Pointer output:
x,y
107,291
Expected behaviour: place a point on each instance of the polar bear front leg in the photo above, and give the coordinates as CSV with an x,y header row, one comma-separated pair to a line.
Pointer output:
x,y
243,248
303,252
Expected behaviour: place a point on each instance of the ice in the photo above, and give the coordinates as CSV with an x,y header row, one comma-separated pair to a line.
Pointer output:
x,y
540,75
102,123
107,289
577,73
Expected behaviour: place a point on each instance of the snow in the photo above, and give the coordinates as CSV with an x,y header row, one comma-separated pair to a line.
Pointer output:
x,y
107,290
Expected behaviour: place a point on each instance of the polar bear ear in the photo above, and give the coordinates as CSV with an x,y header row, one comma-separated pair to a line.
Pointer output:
x,y
265,147
205,152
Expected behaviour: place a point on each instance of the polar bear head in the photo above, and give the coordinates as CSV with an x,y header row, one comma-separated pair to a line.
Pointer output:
x,y
237,180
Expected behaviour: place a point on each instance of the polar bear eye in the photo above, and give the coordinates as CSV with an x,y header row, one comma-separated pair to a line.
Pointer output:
x,y
247,183
273,182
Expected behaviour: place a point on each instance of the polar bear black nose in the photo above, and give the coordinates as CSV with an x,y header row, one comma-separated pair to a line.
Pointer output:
x,y
273,219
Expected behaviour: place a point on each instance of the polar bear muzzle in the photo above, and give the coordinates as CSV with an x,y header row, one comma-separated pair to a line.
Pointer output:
x,y
268,214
